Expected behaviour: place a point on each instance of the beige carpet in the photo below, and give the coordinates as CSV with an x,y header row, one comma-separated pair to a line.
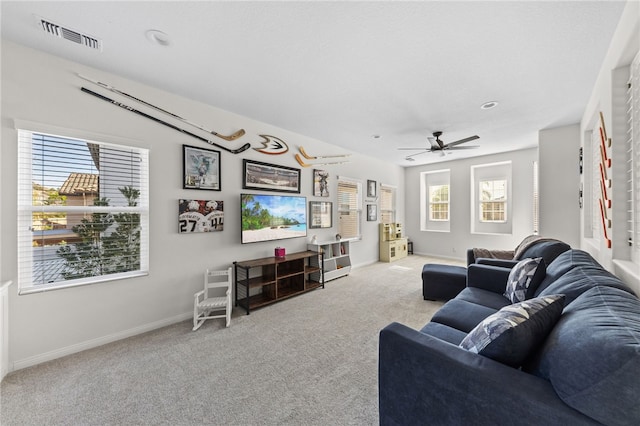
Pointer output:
x,y
309,360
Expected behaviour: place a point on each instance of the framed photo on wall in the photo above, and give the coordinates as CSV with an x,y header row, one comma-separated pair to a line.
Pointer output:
x,y
200,168
371,188
200,216
320,214
270,177
372,212
320,183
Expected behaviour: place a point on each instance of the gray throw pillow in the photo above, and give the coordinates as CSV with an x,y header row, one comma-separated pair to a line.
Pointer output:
x,y
524,279
510,335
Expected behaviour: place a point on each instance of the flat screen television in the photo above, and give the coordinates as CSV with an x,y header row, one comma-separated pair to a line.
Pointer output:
x,y
272,217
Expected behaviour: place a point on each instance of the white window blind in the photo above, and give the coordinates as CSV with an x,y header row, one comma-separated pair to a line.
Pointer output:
x,y
633,171
349,207
387,204
536,199
83,211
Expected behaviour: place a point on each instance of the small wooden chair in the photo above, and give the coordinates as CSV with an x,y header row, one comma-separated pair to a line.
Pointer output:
x,y
205,302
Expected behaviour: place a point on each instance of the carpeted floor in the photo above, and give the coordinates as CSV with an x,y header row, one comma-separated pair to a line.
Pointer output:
x,y
309,360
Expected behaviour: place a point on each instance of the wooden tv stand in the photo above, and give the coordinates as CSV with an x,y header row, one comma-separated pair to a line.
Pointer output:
x,y
261,282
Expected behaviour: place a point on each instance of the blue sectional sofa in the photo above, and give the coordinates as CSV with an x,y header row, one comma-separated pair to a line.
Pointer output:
x,y
585,369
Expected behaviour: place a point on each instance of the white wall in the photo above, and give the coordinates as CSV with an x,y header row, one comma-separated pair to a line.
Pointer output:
x,y
625,44
41,88
455,243
559,181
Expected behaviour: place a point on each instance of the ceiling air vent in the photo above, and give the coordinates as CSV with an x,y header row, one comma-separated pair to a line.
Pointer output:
x,y
69,34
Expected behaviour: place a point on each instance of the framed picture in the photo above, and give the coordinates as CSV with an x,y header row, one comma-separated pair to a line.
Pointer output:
x,y
201,168
320,183
270,177
320,214
371,188
372,212
200,216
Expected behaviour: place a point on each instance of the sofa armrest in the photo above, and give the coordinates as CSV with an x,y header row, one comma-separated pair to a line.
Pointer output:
x,y
425,380
504,263
488,277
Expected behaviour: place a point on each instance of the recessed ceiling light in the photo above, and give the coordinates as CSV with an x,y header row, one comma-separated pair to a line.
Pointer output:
x,y
489,105
376,136
158,37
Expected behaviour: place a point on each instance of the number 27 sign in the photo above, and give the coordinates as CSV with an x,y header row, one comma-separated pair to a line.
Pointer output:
x,y
200,216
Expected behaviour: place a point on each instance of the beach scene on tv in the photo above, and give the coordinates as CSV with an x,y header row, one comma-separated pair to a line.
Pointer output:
x,y
272,217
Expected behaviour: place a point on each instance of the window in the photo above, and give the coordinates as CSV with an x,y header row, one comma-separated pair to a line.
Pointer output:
x,y
435,201
491,198
493,201
349,207
439,202
387,204
83,211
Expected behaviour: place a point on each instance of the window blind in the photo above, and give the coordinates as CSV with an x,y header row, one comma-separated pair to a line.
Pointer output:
x,y
633,143
83,211
387,204
349,207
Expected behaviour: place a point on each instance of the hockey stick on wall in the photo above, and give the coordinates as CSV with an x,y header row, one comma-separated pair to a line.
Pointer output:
x,y
303,164
231,137
309,157
157,120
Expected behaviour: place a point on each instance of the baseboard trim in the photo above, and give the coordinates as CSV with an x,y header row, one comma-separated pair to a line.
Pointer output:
x,y
94,343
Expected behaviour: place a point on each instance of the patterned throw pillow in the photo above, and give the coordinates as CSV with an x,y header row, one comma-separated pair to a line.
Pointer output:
x,y
512,333
524,278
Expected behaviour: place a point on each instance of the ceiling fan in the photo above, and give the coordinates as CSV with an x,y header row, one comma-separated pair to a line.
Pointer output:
x,y
438,145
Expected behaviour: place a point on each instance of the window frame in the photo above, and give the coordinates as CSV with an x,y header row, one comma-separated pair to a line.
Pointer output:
x,y
26,207
388,197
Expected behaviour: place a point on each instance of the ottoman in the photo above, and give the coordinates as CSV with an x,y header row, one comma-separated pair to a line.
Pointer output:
x,y
442,282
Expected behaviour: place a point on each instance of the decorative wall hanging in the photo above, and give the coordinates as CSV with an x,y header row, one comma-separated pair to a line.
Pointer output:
x,y
320,183
200,216
200,168
320,214
231,137
272,145
372,212
309,157
164,123
270,177
605,163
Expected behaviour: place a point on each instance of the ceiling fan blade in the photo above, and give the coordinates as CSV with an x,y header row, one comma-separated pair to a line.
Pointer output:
x,y
418,153
462,147
470,138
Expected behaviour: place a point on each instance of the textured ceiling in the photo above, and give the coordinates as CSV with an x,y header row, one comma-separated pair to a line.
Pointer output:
x,y
342,72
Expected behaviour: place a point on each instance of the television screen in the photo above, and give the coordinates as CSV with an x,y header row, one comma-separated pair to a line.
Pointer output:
x,y
272,217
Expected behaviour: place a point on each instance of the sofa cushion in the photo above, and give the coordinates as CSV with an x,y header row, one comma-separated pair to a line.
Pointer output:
x,y
510,335
444,332
484,297
524,279
592,356
548,250
565,262
581,279
461,314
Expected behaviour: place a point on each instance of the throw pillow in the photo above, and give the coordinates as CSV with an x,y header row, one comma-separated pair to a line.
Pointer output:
x,y
512,333
524,278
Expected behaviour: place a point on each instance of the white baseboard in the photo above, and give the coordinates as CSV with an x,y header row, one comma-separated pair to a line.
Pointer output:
x,y
93,343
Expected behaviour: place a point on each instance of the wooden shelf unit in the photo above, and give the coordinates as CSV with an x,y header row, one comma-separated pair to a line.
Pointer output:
x,y
261,282
336,262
